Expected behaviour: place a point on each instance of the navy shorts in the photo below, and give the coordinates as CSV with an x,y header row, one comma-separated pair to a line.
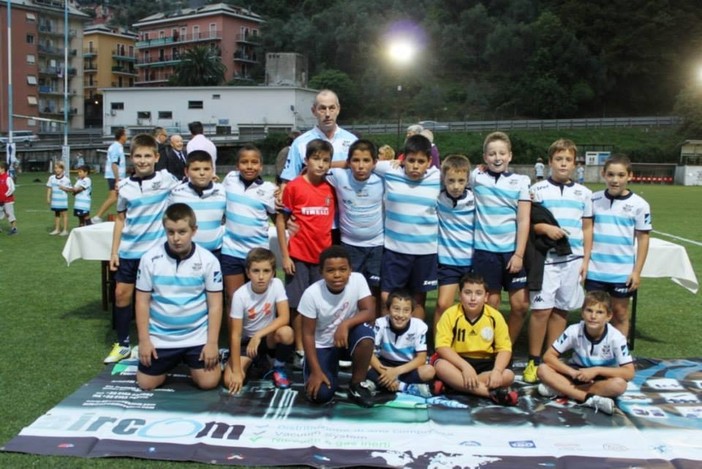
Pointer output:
x,y
417,273
366,260
295,285
232,265
451,274
110,184
127,270
169,358
409,377
492,266
58,211
329,361
81,213
615,290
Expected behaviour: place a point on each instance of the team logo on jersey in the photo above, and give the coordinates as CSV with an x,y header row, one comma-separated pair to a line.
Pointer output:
x,y
578,192
628,208
513,182
156,185
217,277
197,266
606,350
487,333
260,192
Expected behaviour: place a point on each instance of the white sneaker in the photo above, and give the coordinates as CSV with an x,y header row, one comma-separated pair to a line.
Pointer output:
x,y
63,233
96,220
605,404
546,391
54,233
419,390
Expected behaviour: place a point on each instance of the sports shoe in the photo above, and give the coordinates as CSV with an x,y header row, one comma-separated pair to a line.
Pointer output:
x,y
546,391
420,390
54,233
134,354
280,378
504,396
298,360
530,376
118,353
345,363
63,233
96,220
605,404
437,387
13,231
360,394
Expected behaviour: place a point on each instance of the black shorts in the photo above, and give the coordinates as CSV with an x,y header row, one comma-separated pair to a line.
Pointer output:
x,y
169,358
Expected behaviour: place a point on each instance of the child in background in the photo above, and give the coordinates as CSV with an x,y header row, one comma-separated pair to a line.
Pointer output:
x,y
83,195
456,217
622,222
539,169
205,197
178,305
310,200
250,201
580,173
258,325
399,362
386,153
600,366
359,193
57,198
502,206
570,205
141,202
7,198
473,350
335,314
411,223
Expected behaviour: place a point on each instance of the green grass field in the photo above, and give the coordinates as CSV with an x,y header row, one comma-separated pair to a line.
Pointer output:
x,y
55,333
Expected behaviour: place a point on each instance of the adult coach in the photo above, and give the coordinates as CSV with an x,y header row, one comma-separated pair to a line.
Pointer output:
x,y
326,109
115,169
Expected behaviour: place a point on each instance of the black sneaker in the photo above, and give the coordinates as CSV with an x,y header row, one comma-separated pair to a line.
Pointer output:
x,y
360,394
504,396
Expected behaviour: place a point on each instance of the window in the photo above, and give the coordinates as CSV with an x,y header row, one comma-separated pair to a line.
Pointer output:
x,y
213,30
32,100
31,18
196,32
31,59
195,105
117,106
215,96
165,114
144,115
162,34
31,79
30,38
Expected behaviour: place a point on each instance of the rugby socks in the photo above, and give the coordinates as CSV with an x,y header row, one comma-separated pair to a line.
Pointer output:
x,y
283,353
537,360
123,319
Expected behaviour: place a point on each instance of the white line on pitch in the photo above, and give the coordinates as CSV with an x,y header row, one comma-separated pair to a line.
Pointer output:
x,y
697,243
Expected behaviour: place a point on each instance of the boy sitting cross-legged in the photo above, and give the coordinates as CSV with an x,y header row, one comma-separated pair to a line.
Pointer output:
x,y
258,324
601,364
473,349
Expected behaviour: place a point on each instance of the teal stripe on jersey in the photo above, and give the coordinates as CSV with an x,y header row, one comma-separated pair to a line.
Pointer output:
x,y
563,203
614,220
410,219
492,191
613,258
245,200
170,319
150,236
176,281
495,210
178,300
411,238
244,220
410,199
149,199
611,239
501,229
208,225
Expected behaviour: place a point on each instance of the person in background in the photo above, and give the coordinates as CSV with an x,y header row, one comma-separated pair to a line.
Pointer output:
x,y
57,198
115,171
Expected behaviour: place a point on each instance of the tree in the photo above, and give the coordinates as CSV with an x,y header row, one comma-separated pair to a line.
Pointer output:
x,y
199,66
342,85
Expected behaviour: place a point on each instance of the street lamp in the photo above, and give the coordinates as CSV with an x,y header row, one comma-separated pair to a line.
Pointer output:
x,y
401,52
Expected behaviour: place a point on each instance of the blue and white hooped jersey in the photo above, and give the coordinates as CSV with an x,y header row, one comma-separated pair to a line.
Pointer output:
x,y
497,197
411,219
247,213
59,198
456,225
144,201
360,207
84,197
115,154
341,141
569,204
615,222
403,347
609,350
208,205
178,287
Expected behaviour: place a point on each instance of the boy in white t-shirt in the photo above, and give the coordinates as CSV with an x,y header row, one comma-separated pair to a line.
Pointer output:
x,y
335,311
258,324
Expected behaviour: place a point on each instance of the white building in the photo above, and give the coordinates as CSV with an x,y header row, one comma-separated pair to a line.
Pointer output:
x,y
223,110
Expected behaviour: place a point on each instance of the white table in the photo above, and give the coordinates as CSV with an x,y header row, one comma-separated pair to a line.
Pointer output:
x,y
93,243
665,259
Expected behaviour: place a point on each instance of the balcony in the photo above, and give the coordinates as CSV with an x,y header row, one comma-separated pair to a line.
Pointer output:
x,y
48,50
180,39
88,85
89,68
160,61
117,70
153,79
240,56
90,52
249,38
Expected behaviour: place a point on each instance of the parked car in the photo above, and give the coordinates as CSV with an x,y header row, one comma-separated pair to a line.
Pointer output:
x,y
433,125
20,136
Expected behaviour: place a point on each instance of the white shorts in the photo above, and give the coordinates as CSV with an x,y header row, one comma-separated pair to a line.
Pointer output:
x,y
561,287
8,209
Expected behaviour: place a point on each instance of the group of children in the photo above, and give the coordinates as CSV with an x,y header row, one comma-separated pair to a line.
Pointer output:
x,y
405,229
57,189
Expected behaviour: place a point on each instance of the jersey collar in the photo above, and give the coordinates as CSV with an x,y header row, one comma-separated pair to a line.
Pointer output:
x,y
247,184
173,255
619,197
560,184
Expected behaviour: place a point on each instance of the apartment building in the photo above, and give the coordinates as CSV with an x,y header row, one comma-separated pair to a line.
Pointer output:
x,y
39,68
109,61
231,32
